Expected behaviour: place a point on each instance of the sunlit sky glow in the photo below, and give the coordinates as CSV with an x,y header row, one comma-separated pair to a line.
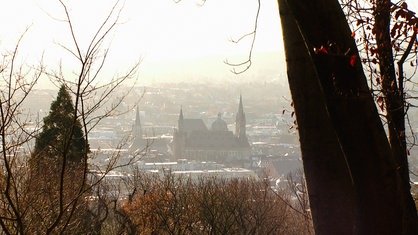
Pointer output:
x,y
154,30
160,32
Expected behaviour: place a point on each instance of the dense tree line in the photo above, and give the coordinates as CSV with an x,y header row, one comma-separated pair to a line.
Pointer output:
x,y
174,204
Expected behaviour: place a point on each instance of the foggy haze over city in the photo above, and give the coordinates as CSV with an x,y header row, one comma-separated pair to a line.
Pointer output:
x,y
205,117
185,51
186,54
182,41
174,41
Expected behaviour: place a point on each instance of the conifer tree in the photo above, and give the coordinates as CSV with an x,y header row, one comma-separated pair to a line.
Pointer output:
x,y
62,135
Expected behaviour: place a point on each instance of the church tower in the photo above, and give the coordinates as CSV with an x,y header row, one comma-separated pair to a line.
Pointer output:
x,y
137,133
137,126
179,137
181,120
240,123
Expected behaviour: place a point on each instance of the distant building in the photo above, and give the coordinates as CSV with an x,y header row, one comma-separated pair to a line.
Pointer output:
x,y
150,147
197,170
138,143
193,141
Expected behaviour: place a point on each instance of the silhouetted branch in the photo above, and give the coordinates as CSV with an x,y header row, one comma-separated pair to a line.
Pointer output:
x,y
247,63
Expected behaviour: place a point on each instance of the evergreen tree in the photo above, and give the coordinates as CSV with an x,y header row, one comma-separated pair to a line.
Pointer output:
x,y
61,135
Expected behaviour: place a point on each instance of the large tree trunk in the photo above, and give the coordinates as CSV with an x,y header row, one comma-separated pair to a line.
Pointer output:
x,y
395,105
353,118
327,174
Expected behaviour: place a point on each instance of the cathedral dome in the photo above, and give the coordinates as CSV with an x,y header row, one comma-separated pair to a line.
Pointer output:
x,y
219,124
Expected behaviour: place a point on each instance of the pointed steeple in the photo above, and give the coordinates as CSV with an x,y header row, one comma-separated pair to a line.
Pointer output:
x,y
240,108
137,125
240,122
137,143
180,122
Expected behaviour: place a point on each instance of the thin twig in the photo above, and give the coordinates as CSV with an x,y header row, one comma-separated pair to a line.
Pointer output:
x,y
247,63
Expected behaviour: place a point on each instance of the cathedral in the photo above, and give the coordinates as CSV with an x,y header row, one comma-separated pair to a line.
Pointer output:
x,y
194,141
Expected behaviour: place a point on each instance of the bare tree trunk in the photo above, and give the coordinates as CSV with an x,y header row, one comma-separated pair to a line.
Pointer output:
x,y
395,104
352,115
327,174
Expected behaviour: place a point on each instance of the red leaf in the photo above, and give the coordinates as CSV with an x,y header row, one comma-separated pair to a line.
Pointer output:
x,y
321,50
353,34
353,60
382,107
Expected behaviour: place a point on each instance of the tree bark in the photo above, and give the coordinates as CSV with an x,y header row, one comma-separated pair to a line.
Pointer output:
x,y
395,105
327,174
352,116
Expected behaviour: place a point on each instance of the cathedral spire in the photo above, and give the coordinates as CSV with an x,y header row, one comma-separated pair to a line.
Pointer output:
x,y
240,108
137,125
240,122
137,143
180,122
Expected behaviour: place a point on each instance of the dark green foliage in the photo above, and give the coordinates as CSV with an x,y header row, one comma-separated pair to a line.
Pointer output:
x,y
62,135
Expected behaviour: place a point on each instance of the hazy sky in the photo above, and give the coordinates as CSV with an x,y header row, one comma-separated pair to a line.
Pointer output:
x,y
159,31
155,30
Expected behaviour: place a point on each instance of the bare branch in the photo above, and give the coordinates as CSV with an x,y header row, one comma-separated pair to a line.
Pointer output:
x,y
247,63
